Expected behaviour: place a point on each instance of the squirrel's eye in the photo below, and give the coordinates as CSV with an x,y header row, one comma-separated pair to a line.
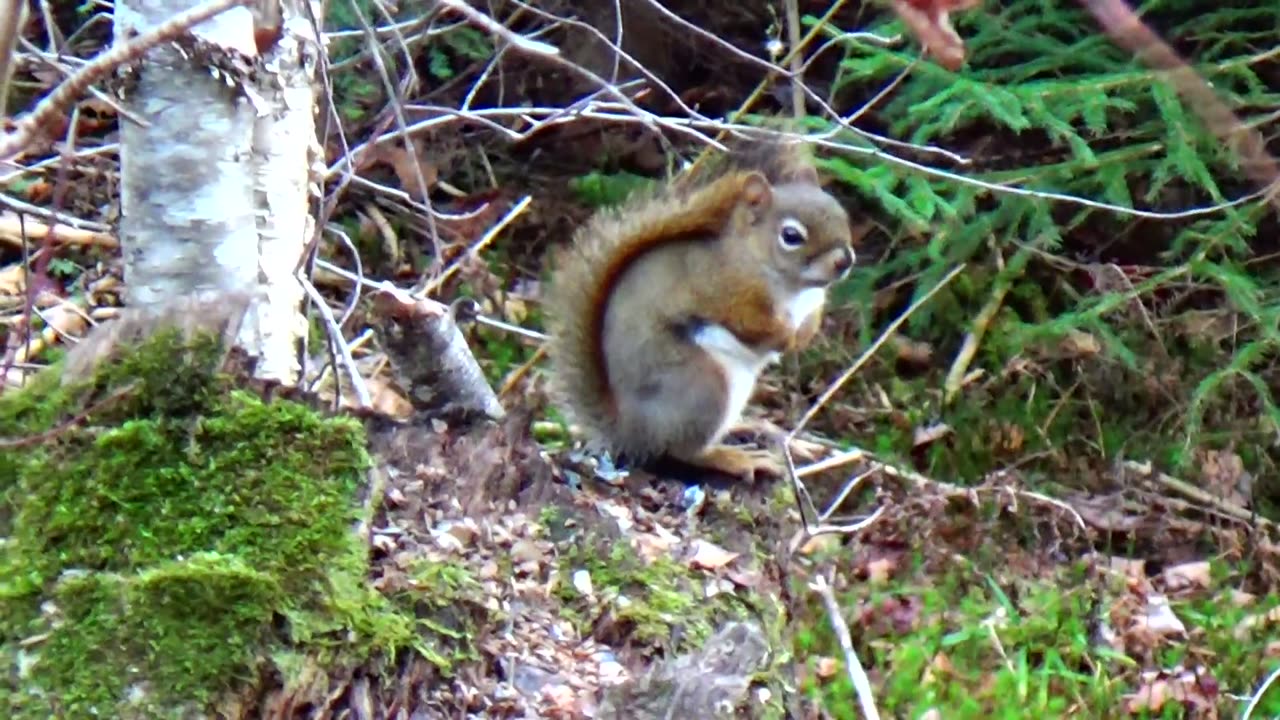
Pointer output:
x,y
792,235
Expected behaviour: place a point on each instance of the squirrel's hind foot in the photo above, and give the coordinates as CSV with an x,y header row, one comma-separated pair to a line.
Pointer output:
x,y
740,463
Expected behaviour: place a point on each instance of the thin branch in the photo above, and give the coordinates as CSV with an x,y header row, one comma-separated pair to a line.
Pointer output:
x,y
857,675
338,342
541,118
13,15
1128,31
480,244
870,351
33,124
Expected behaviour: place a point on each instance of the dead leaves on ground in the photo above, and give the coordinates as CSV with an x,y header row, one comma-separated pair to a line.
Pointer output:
x,y
550,667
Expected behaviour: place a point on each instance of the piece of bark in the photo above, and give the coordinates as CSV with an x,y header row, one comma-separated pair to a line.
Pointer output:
x,y
432,361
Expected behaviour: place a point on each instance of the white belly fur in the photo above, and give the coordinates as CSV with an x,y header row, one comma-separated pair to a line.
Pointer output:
x,y
805,303
740,363
741,366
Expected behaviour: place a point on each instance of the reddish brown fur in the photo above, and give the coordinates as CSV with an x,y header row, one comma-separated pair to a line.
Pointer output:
x,y
704,221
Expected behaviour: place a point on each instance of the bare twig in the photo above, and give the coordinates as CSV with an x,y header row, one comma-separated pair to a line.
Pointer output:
x,y
480,244
1261,693
857,676
978,330
887,333
55,431
397,110
1197,494
797,58
12,231
337,341
539,119
13,15
33,124
482,319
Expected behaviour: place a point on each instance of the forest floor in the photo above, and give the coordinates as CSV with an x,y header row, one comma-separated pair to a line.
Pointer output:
x,y
1042,538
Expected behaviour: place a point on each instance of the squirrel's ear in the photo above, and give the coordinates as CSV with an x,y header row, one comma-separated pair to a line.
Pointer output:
x,y
807,174
756,193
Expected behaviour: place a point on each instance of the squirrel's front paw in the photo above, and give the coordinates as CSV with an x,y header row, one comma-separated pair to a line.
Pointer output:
x,y
742,463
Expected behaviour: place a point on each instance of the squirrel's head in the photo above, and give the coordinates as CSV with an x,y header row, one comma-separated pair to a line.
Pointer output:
x,y
798,230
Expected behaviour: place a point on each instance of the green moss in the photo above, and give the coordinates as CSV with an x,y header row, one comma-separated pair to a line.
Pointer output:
x,y
161,551
651,599
449,615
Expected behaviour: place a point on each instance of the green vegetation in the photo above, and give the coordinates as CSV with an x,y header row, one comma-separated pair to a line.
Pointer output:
x,y
163,550
1181,310
968,644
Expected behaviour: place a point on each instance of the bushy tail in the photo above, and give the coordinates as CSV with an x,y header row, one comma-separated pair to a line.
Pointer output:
x,y
579,382
582,282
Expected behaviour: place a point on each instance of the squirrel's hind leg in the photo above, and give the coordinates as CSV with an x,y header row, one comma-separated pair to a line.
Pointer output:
x,y
685,420
737,462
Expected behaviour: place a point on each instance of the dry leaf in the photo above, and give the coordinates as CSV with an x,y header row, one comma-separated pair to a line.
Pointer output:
x,y
651,546
911,351
1009,437
1223,474
939,667
1195,690
709,556
385,398
818,543
13,280
1187,576
1105,513
406,169
745,578
1079,344
1159,618
929,434
930,22
880,570
1130,568
1254,624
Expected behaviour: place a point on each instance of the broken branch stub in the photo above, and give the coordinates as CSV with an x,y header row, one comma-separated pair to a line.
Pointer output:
x,y
432,360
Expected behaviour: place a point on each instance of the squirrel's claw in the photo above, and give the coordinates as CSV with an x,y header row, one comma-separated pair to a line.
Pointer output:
x,y
742,463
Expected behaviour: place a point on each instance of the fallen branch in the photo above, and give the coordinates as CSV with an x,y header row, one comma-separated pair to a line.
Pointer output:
x,y
15,231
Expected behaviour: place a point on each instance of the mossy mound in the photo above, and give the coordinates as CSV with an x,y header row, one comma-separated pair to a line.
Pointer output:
x,y
166,535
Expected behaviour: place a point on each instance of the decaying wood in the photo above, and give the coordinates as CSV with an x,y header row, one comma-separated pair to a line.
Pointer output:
x,y
220,315
433,363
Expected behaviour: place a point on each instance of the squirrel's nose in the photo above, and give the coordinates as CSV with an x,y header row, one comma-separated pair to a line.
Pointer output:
x,y
844,262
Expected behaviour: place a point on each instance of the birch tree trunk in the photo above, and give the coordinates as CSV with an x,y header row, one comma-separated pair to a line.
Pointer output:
x,y
214,190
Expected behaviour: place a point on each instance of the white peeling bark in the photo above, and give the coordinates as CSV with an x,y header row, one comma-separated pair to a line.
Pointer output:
x,y
214,188
285,148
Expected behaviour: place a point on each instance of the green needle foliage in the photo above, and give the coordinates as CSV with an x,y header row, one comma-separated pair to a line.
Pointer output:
x,y
1048,103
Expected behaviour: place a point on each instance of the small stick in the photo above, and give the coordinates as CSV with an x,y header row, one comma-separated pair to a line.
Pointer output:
x,y
857,675
866,355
